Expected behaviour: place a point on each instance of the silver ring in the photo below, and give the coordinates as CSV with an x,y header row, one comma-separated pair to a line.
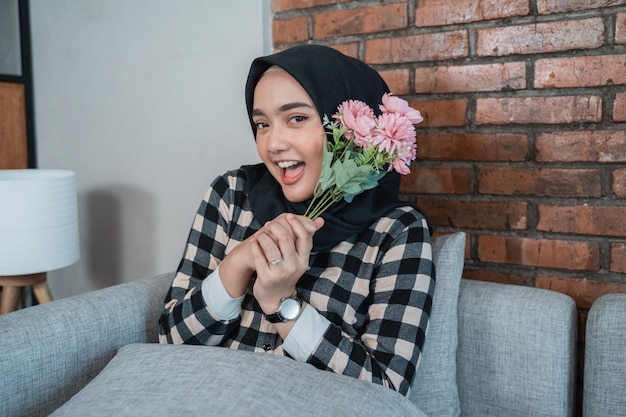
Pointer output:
x,y
275,262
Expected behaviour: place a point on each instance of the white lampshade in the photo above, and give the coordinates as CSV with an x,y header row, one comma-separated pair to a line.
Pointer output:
x,y
38,221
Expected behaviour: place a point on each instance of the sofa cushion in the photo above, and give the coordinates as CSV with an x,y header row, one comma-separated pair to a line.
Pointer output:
x,y
434,388
182,380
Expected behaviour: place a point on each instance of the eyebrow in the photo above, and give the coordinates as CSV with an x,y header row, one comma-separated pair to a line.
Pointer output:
x,y
284,108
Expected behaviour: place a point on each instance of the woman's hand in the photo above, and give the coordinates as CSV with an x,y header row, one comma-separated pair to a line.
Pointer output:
x,y
280,251
237,268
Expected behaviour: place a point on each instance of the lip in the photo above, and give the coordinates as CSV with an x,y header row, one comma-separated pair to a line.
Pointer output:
x,y
291,179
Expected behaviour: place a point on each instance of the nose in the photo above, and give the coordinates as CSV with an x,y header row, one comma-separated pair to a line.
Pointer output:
x,y
277,140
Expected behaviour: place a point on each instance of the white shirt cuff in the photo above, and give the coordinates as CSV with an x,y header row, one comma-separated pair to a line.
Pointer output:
x,y
221,305
306,334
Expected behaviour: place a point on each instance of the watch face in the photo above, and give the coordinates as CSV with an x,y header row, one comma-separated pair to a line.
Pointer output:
x,y
289,309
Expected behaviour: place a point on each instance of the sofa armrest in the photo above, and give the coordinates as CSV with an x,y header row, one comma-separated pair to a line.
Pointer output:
x,y
517,350
604,386
50,351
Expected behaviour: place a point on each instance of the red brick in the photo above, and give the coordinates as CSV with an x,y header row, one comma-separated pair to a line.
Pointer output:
x,y
561,6
470,78
290,30
553,182
583,71
472,147
619,107
415,48
284,5
422,180
525,110
397,80
510,215
441,13
583,219
559,254
620,28
619,183
540,37
360,20
582,146
491,276
438,113
350,48
618,258
583,291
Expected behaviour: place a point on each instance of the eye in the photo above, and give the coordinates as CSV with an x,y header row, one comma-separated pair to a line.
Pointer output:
x,y
298,119
260,125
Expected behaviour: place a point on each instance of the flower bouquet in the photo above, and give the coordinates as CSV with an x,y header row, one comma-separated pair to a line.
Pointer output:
x,y
361,148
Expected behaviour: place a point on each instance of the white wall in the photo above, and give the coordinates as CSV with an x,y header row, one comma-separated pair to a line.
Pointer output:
x,y
144,100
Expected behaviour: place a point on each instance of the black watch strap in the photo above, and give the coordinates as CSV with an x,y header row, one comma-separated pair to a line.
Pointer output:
x,y
273,318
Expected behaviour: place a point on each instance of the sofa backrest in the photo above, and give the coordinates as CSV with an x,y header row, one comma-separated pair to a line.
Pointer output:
x,y
604,385
517,351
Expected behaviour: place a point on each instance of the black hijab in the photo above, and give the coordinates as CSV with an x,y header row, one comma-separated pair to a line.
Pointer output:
x,y
329,77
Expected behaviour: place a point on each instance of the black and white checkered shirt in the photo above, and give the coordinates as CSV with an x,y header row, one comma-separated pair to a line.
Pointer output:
x,y
375,289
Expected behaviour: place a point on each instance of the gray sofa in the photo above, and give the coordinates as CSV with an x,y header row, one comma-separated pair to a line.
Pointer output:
x,y
491,350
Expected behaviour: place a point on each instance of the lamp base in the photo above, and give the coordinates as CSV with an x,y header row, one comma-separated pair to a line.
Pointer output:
x,y
12,287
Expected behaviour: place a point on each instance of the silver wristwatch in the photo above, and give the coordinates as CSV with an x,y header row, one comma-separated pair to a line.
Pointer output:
x,y
289,309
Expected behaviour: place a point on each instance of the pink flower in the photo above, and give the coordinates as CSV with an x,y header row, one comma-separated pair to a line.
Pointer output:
x,y
402,160
394,132
393,104
407,153
358,119
399,166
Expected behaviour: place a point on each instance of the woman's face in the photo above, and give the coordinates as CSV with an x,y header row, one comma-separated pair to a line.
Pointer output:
x,y
290,135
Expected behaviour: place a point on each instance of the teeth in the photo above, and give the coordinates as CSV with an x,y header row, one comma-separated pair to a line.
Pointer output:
x,y
287,164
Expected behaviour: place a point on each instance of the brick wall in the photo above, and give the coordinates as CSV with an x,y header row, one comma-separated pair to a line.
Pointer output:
x,y
523,144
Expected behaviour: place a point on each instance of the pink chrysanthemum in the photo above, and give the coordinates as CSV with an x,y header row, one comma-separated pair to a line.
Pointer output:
x,y
393,104
394,131
358,119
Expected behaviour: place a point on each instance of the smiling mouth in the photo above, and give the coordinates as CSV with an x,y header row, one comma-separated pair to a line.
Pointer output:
x,y
290,171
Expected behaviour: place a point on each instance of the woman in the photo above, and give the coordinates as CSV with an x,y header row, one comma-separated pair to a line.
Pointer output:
x,y
348,292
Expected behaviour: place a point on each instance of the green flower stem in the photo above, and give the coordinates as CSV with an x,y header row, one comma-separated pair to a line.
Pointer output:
x,y
328,198
319,206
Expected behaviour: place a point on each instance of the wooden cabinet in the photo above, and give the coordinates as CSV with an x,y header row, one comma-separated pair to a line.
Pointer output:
x,y
13,137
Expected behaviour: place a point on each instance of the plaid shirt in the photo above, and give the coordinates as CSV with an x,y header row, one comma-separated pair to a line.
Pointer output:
x,y
375,288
